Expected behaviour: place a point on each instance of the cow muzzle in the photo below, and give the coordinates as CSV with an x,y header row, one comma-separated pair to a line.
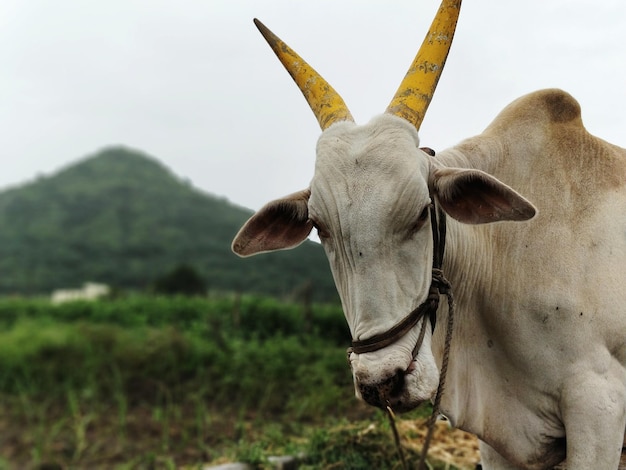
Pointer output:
x,y
386,393
395,379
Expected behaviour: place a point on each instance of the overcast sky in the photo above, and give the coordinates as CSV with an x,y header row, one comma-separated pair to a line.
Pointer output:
x,y
193,83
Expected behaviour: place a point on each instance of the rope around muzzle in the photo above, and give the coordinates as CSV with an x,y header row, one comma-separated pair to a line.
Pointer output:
x,y
439,286
442,381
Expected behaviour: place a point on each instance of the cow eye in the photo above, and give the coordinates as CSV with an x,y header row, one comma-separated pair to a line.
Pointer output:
x,y
420,221
424,214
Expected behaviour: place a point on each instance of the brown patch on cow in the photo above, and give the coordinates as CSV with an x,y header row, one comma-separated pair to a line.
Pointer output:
x,y
561,107
587,162
590,163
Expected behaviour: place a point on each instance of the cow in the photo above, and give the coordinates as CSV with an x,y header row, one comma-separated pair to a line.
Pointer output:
x,y
534,210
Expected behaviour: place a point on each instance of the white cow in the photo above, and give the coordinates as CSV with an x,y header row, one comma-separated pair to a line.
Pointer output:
x,y
538,358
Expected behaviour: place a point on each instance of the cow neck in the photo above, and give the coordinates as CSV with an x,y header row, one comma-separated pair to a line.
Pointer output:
x,y
439,286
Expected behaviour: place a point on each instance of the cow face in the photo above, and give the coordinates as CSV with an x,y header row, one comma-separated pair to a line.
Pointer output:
x,y
370,204
369,201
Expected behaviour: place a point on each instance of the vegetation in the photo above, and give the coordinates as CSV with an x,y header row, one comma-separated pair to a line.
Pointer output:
x,y
199,368
175,382
121,218
182,280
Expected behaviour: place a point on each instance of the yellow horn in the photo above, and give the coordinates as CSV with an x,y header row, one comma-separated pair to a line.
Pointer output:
x,y
325,102
416,90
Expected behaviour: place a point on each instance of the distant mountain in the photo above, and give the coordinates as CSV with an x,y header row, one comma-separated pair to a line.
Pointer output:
x,y
122,218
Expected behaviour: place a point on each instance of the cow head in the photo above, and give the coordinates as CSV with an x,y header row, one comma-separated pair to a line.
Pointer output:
x,y
369,200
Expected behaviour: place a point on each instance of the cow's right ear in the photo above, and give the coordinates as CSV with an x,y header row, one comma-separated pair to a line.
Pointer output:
x,y
279,225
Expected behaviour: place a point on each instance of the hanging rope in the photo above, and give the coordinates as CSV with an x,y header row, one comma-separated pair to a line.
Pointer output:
x,y
439,286
440,389
442,382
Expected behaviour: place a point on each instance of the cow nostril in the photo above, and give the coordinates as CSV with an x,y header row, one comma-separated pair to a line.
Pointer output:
x,y
396,383
371,396
381,394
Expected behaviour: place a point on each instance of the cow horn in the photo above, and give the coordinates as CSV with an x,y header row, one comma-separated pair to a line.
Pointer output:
x,y
325,102
416,90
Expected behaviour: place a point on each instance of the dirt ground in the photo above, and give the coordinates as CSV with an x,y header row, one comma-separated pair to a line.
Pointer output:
x,y
143,435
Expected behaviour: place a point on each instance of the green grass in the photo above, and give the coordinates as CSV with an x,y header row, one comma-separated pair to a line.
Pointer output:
x,y
149,382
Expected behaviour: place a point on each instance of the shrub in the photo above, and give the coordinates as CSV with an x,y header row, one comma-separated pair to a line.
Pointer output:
x,y
182,280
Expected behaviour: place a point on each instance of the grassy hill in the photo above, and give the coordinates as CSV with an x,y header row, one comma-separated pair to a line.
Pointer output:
x,y
122,218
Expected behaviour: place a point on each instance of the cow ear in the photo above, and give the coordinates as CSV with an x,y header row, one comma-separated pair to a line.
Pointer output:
x,y
278,225
475,197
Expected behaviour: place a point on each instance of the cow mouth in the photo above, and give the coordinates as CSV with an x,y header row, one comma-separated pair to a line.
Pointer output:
x,y
393,392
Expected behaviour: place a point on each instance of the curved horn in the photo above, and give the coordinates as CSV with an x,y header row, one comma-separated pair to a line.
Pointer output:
x,y
416,90
325,102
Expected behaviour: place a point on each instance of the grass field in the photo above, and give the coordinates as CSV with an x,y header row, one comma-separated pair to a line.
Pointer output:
x,y
176,382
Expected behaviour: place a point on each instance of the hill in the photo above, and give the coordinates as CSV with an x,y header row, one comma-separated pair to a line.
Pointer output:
x,y
120,217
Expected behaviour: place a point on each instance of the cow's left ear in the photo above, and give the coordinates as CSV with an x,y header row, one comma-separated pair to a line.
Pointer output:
x,y
475,197
278,225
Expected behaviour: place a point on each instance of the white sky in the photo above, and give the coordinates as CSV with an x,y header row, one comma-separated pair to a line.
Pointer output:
x,y
193,83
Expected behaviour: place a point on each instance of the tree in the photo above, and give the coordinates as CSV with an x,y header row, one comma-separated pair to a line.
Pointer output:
x,y
183,279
